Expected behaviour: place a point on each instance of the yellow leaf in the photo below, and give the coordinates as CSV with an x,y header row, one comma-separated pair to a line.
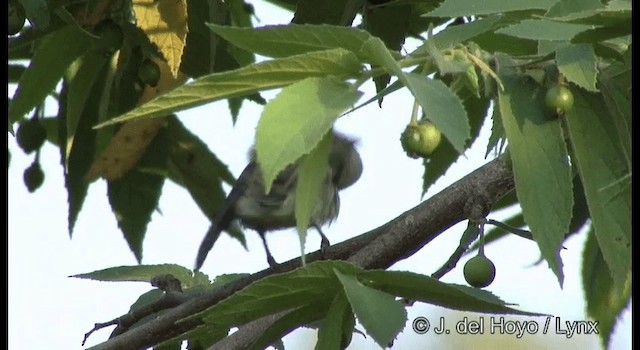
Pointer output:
x,y
165,22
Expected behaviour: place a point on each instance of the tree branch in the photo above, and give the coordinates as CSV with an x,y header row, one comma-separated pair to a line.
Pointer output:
x,y
379,248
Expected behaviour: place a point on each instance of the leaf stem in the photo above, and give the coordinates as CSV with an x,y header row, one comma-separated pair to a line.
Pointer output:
x,y
485,68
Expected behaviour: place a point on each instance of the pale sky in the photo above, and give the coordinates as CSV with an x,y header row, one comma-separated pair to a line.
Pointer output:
x,y
49,310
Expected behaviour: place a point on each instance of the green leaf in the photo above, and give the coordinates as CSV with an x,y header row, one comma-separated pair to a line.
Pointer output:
x,y
380,313
391,25
538,153
81,77
453,35
14,72
196,165
588,12
338,12
235,104
619,5
497,138
197,55
423,288
78,160
606,179
205,52
572,7
578,65
135,196
240,13
376,51
542,29
315,283
246,80
141,273
173,344
445,155
21,46
579,217
333,327
547,47
580,213
442,107
494,42
193,166
240,56
203,337
605,51
308,109
312,174
143,301
600,34
37,12
53,55
604,302
457,8
446,64
615,83
293,39
287,323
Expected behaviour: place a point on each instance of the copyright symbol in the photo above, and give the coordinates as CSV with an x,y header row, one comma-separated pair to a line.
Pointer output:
x,y
421,325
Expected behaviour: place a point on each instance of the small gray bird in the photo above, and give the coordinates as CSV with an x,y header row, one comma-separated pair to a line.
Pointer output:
x,y
262,212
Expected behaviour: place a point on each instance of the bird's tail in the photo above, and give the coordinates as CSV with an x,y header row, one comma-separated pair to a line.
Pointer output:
x,y
224,217
209,240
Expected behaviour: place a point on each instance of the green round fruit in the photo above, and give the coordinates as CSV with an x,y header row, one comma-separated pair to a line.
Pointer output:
x,y
149,73
30,135
16,17
479,271
420,140
110,34
559,98
33,177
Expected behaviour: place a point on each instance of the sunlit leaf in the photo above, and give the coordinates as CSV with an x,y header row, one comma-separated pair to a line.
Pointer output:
x,y
308,109
246,80
384,321
293,39
141,273
309,188
165,22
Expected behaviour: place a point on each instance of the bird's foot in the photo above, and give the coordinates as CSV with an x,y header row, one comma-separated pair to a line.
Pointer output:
x,y
324,245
